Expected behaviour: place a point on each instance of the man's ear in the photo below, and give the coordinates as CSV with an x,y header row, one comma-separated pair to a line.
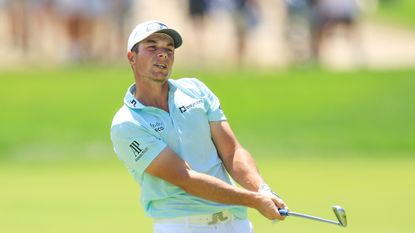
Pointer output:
x,y
131,57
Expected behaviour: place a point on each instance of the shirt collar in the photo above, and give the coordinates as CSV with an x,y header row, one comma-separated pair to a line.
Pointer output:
x,y
130,100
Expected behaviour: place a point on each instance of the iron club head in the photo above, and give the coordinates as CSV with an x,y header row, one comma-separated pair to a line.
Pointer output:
x,y
340,214
338,211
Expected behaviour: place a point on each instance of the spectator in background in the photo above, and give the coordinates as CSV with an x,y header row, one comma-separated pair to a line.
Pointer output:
x,y
300,22
42,14
120,14
333,14
80,19
245,17
197,11
18,23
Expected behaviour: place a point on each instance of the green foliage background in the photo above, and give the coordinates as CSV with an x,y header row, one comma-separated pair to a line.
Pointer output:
x,y
319,137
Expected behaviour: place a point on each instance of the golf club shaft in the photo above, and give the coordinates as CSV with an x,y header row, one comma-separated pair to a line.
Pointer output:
x,y
290,213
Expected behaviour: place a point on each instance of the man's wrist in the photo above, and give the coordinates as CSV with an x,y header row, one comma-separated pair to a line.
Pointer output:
x,y
265,189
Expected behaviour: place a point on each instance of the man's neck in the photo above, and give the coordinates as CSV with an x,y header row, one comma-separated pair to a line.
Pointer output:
x,y
153,94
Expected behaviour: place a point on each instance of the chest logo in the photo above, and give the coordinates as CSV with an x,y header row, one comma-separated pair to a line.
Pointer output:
x,y
184,108
157,126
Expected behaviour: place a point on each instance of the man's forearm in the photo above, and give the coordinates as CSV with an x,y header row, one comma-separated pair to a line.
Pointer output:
x,y
214,189
237,160
243,169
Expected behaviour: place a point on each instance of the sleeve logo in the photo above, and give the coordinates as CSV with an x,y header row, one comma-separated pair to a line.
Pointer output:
x,y
137,151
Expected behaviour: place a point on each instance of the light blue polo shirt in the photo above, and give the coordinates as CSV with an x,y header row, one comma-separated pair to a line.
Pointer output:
x,y
139,133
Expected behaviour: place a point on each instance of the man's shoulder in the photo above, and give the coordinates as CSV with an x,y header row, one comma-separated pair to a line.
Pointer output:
x,y
190,86
125,119
187,82
122,116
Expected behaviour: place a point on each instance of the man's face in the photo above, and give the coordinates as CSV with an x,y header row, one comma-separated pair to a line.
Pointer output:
x,y
155,57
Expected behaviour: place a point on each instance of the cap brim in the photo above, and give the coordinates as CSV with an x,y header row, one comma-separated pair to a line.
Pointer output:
x,y
177,39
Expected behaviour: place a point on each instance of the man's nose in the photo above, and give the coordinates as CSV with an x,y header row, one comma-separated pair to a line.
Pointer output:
x,y
162,54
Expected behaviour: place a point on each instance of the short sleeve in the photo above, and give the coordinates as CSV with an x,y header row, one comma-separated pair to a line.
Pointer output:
x,y
135,146
212,103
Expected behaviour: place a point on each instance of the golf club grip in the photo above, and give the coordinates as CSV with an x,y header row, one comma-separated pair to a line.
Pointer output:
x,y
283,212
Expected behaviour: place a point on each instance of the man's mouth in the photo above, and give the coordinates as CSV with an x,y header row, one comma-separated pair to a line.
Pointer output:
x,y
161,66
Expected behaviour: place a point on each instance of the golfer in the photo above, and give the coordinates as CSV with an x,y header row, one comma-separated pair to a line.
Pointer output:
x,y
173,137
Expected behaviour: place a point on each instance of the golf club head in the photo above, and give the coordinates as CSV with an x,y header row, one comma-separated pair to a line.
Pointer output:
x,y
340,214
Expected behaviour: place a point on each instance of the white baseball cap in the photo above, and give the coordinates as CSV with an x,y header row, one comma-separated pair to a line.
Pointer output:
x,y
145,29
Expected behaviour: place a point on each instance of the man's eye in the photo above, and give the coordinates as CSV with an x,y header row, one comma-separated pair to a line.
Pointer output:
x,y
152,48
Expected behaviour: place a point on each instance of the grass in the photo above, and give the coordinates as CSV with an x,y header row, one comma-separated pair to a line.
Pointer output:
x,y
102,197
69,111
70,197
321,111
319,137
398,12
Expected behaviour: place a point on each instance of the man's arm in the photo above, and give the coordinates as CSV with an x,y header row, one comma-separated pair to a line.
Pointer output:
x,y
171,168
237,160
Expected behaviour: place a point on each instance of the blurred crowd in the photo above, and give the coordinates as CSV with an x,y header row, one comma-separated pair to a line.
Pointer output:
x,y
78,20
96,30
310,22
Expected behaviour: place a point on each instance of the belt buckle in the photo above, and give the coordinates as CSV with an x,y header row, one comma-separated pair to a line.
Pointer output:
x,y
217,217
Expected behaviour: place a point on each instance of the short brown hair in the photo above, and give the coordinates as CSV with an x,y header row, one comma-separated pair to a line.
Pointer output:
x,y
135,48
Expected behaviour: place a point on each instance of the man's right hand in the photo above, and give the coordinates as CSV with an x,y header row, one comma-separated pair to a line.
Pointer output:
x,y
268,206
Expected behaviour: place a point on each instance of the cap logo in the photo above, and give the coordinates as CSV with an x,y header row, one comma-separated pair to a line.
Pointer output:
x,y
155,27
145,29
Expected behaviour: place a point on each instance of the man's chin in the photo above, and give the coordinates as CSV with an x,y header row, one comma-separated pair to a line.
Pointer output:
x,y
161,78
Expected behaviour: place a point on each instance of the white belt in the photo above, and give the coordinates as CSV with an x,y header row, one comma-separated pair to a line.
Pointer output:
x,y
205,219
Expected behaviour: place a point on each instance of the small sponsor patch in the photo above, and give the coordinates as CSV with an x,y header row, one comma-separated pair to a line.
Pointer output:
x,y
137,150
157,126
133,102
183,108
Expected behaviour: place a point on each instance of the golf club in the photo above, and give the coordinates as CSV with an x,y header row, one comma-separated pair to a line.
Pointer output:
x,y
338,211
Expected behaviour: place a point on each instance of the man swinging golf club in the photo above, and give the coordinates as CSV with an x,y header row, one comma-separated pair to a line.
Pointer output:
x,y
174,138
